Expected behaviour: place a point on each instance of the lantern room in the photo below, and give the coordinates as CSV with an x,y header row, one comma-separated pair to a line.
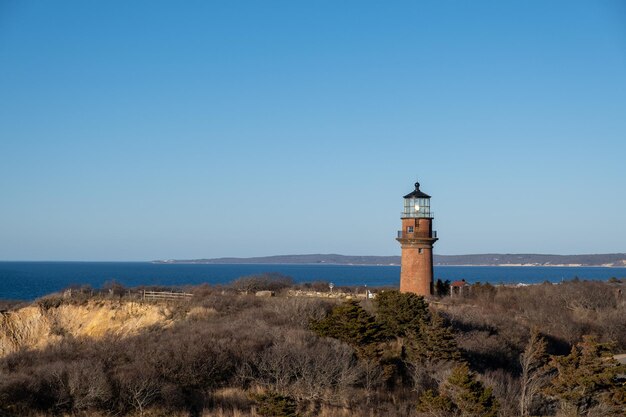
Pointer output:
x,y
417,204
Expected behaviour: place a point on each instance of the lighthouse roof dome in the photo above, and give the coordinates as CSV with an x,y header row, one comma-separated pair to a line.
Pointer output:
x,y
417,193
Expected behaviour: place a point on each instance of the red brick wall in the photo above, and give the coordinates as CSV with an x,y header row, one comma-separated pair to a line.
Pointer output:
x,y
421,227
416,271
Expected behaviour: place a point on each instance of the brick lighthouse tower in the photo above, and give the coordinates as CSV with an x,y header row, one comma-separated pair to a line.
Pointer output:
x,y
417,238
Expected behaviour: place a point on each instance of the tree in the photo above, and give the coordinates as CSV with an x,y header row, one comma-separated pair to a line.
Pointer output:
x,y
138,391
88,385
436,405
442,288
350,323
533,378
401,313
588,377
436,341
461,395
305,367
471,397
431,353
372,376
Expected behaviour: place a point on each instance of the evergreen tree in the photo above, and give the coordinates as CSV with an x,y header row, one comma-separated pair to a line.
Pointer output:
x,y
587,377
401,313
461,395
471,397
432,342
350,323
436,405
424,336
437,342
442,288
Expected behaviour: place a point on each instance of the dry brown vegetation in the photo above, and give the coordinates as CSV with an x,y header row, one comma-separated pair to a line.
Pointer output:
x,y
225,353
493,323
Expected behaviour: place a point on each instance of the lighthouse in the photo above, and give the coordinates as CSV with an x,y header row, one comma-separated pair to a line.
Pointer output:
x,y
417,238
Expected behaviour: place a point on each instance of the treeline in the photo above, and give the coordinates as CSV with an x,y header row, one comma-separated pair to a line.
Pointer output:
x,y
538,350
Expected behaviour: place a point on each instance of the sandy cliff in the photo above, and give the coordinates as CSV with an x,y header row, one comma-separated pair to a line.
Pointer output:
x,y
35,326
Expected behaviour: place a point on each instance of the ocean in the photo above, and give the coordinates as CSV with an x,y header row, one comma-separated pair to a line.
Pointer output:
x,y
30,280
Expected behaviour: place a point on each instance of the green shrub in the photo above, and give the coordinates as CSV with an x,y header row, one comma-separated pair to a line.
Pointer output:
x,y
273,404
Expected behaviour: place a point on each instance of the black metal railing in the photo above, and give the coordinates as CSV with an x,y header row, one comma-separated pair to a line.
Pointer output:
x,y
404,235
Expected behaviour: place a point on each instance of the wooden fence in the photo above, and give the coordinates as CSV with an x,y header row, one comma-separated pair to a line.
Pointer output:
x,y
165,295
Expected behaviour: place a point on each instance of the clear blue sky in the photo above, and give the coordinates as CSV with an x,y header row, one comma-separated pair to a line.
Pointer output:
x,y
135,130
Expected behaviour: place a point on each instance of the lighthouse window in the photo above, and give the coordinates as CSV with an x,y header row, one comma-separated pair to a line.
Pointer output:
x,y
420,250
409,229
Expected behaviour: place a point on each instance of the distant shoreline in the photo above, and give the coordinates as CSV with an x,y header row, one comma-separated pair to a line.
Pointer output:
x,y
490,259
442,266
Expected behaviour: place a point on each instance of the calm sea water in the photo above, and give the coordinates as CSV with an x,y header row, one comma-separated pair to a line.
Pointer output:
x,y
29,280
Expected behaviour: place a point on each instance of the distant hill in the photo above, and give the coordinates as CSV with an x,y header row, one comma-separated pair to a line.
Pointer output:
x,y
489,259
332,259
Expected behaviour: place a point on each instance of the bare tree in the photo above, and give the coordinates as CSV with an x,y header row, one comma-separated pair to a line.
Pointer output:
x,y
88,385
274,367
533,378
506,389
141,392
372,376
59,381
305,367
